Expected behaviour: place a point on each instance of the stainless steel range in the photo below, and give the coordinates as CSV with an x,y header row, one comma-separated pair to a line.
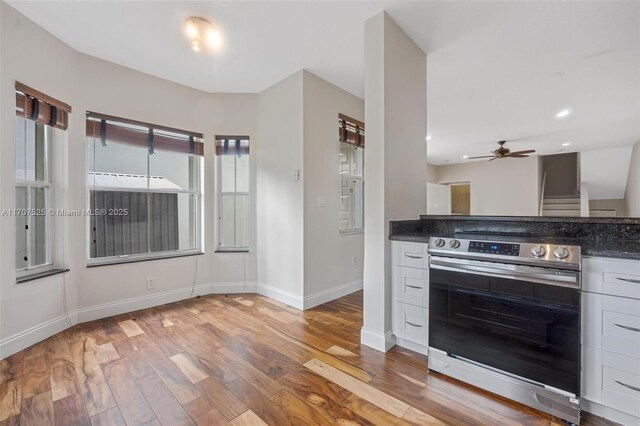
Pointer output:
x,y
505,316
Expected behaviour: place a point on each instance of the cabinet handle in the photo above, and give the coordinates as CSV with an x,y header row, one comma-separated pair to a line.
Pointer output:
x,y
628,386
629,280
626,327
414,286
412,257
415,325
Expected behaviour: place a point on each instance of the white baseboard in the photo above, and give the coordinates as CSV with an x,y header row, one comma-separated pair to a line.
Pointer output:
x,y
331,294
280,295
38,333
412,346
378,341
23,340
608,413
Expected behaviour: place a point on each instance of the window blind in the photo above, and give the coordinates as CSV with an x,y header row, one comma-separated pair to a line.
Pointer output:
x,y
142,134
351,131
232,145
43,109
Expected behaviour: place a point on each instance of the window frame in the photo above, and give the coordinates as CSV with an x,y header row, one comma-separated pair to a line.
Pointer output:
x,y
352,178
49,135
220,194
196,179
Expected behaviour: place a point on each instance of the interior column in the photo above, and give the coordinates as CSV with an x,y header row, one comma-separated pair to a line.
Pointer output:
x,y
395,160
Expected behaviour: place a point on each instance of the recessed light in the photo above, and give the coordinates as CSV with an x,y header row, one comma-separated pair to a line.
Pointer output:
x,y
465,157
566,144
564,113
428,137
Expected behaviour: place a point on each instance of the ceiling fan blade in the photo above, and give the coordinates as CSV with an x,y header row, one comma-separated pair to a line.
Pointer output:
x,y
484,156
495,158
517,155
528,151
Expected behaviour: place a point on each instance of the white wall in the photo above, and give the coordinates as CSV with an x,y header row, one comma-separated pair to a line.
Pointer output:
x,y
632,195
506,187
280,197
328,256
606,171
395,159
87,83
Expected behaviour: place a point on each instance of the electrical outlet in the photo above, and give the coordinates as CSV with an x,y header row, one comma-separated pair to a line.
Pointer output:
x,y
355,260
149,284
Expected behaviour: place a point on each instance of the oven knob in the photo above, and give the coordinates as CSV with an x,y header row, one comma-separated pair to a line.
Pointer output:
x,y
561,252
439,242
454,244
538,251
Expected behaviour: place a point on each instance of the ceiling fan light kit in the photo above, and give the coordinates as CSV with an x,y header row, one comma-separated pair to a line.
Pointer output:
x,y
503,152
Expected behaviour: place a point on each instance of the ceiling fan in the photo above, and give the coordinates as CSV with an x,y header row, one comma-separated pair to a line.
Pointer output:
x,y
503,152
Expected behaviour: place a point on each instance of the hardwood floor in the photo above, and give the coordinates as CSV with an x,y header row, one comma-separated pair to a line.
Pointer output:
x,y
238,360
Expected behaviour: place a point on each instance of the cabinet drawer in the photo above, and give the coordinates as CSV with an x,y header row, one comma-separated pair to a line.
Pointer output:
x,y
411,323
411,255
624,267
622,325
621,390
621,285
411,285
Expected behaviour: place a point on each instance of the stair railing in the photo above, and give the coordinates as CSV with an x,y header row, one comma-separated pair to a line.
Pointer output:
x,y
541,206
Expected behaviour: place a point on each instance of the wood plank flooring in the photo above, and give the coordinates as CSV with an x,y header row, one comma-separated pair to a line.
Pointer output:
x,y
238,360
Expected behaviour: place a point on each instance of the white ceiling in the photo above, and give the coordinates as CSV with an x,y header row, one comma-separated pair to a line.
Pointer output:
x,y
491,65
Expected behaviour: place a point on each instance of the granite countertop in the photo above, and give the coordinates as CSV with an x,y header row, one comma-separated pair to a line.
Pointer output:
x,y
610,248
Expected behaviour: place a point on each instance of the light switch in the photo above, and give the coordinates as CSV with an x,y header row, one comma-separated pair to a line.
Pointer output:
x,y
322,201
296,175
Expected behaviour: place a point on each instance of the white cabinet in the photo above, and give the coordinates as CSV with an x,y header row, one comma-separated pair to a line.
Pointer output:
x,y
410,292
611,338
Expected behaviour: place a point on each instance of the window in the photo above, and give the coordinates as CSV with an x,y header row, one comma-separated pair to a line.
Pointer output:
x,y
232,154
33,194
38,119
144,190
351,175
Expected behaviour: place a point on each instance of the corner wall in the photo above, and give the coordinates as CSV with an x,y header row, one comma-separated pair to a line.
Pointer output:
x,y
329,271
280,196
632,194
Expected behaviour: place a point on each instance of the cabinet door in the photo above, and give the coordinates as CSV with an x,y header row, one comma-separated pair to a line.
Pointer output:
x,y
411,323
411,286
411,255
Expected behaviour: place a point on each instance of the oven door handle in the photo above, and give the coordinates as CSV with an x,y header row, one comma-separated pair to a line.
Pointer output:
x,y
516,272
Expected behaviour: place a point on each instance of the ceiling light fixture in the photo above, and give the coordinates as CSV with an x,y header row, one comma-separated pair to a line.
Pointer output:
x,y
465,157
564,113
200,31
566,144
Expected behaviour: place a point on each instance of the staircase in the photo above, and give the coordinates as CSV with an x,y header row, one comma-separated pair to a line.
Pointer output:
x,y
564,207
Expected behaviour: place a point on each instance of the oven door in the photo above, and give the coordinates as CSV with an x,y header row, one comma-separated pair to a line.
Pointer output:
x,y
521,320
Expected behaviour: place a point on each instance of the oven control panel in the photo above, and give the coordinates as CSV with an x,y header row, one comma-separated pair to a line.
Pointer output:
x,y
506,249
535,253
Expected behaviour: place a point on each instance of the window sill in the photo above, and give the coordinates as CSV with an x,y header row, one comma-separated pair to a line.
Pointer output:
x,y
93,263
38,275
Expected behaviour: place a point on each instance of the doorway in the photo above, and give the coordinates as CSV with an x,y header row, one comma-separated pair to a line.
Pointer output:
x,y
460,198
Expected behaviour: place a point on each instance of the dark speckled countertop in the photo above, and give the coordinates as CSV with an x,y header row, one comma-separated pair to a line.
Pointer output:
x,y
598,237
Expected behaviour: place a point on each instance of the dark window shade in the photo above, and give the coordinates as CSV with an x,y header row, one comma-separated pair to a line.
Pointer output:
x,y
232,145
136,133
43,109
350,130
143,230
